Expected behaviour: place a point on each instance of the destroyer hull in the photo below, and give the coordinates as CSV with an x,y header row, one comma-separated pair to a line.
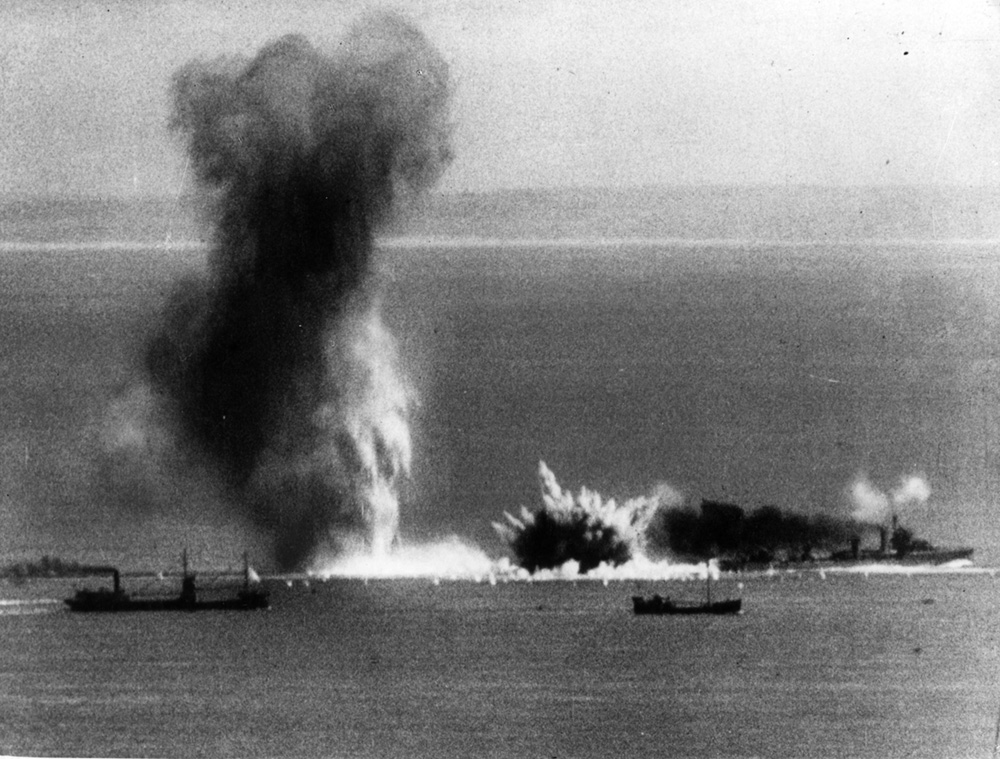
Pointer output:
x,y
930,558
935,557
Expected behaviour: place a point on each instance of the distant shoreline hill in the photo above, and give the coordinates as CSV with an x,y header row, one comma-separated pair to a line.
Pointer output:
x,y
751,213
788,214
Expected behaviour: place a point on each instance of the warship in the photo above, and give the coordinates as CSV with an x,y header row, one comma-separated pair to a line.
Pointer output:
x,y
896,545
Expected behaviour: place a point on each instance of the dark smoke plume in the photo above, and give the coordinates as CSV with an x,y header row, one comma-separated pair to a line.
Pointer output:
x,y
276,367
726,530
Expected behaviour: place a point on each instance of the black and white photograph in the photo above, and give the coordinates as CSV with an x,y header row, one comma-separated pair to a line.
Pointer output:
x,y
563,379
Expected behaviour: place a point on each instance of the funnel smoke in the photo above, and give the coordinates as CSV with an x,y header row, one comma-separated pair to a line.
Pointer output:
x,y
276,367
872,506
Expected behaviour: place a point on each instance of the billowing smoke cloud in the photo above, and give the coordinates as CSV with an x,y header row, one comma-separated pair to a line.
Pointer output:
x,y
584,528
872,506
275,371
762,536
912,490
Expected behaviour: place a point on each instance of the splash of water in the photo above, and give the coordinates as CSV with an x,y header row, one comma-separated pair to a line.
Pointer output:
x,y
272,383
584,528
454,559
451,558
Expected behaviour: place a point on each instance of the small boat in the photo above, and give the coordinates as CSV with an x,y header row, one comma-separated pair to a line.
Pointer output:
x,y
657,604
116,599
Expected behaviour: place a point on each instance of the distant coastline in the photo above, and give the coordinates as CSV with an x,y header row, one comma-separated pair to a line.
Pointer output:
x,y
47,566
675,215
471,244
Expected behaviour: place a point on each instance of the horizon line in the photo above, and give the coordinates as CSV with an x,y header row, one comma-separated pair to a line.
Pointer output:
x,y
11,197
452,243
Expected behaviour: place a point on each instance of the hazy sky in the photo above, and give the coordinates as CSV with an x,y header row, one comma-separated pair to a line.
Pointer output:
x,y
564,92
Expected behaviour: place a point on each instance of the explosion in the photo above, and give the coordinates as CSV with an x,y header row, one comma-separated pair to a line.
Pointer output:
x,y
584,529
274,371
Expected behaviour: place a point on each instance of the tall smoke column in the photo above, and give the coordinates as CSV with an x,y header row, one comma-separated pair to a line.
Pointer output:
x,y
278,366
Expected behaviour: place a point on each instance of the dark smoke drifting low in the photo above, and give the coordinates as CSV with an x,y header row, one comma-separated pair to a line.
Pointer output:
x,y
275,369
726,530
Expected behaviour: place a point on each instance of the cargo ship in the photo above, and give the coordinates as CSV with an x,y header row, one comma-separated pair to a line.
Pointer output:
x,y
117,600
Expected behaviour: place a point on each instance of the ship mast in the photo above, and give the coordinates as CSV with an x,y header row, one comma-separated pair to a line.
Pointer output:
x,y
708,582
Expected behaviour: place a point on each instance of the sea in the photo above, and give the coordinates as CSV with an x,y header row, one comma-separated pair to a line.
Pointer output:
x,y
861,664
753,370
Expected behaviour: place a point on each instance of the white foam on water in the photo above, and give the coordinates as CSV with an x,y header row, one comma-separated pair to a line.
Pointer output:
x,y
638,568
453,559
448,558
12,607
959,566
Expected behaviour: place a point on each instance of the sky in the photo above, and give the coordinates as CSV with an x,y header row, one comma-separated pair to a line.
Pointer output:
x,y
575,93
552,93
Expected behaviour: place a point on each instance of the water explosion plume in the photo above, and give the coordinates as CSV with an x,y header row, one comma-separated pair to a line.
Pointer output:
x,y
276,365
584,528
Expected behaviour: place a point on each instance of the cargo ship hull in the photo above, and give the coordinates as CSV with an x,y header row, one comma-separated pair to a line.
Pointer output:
x,y
109,601
117,600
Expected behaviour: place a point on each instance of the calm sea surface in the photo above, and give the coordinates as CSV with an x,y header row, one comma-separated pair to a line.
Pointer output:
x,y
849,665
755,374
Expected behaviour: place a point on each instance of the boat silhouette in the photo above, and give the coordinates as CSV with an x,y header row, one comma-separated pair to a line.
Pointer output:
x,y
657,604
117,600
